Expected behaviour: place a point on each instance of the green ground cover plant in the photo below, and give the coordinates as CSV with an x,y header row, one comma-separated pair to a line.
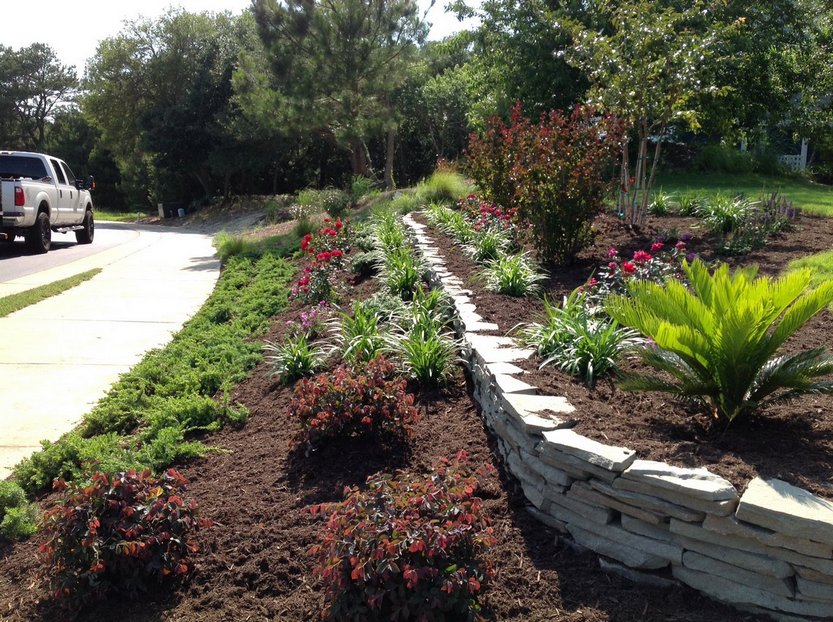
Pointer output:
x,y
175,385
17,515
718,339
820,266
16,302
406,547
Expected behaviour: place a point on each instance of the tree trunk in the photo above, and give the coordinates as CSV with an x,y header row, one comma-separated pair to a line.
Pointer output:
x,y
358,158
390,150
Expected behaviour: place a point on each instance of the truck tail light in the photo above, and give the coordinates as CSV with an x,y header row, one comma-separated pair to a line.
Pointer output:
x,y
19,197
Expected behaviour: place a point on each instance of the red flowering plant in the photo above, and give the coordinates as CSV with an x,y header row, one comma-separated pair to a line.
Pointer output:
x,y
409,547
350,401
327,249
118,533
660,263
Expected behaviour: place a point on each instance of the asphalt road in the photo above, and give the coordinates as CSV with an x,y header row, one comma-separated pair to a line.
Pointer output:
x,y
16,262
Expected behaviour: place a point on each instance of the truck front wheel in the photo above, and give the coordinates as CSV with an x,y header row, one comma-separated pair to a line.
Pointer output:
x,y
39,237
85,235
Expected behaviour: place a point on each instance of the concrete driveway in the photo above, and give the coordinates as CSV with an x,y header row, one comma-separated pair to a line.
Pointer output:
x,y
59,357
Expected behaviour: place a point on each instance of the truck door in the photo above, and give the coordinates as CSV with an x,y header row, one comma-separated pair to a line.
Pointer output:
x,y
74,195
64,212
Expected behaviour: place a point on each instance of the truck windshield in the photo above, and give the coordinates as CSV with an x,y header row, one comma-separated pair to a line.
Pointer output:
x,y
12,166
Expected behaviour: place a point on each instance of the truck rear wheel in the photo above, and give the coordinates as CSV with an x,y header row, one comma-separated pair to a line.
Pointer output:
x,y
85,235
39,237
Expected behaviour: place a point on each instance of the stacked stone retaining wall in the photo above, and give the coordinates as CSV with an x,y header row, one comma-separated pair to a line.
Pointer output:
x,y
769,550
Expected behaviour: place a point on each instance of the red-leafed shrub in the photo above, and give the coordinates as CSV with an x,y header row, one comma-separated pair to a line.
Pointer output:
x,y
560,170
410,547
350,401
119,533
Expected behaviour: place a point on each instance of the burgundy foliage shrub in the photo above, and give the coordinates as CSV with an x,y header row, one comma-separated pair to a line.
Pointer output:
x,y
119,533
410,547
351,401
560,170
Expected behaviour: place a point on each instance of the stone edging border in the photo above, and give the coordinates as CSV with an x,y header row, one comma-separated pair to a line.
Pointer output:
x,y
768,551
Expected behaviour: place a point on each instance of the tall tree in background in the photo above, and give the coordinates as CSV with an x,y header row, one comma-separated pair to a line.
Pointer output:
x,y
34,85
647,71
513,56
336,64
160,94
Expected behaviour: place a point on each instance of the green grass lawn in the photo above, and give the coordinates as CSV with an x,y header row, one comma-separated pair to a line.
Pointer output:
x,y
103,214
809,196
16,302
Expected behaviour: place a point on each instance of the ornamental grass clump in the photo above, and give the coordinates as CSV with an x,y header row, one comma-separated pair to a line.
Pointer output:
x,y
424,346
578,340
513,275
717,340
295,358
358,336
353,401
409,547
119,533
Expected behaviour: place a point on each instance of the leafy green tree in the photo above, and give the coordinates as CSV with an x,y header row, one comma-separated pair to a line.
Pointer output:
x,y
513,56
718,341
160,93
336,64
646,69
34,86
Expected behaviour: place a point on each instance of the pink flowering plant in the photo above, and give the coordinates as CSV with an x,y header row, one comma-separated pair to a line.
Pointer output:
x,y
327,248
661,262
311,321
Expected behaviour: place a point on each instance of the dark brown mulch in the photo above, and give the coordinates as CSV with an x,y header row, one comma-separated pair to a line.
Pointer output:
x,y
791,442
254,565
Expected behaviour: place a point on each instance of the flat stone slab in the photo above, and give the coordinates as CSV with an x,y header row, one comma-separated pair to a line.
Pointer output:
x,y
730,526
509,384
618,550
598,454
787,509
703,563
504,368
539,412
720,508
697,483
737,593
760,564
649,502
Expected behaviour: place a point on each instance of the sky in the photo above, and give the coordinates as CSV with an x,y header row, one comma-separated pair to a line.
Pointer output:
x,y
73,29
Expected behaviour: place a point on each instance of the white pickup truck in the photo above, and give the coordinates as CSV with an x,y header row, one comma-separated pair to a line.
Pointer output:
x,y
38,195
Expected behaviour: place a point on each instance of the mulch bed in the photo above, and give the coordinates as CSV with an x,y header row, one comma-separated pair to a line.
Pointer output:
x,y
792,442
254,564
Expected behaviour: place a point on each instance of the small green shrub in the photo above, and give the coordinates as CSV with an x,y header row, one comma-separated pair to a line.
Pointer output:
x,y
390,232
404,203
119,533
17,515
406,547
578,341
717,340
361,187
513,275
350,401
294,358
688,204
364,265
335,202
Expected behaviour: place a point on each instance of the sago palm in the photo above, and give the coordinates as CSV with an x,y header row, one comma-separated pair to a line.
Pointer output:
x,y
718,340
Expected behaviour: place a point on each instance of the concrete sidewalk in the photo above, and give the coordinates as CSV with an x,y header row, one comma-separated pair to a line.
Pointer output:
x,y
60,356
